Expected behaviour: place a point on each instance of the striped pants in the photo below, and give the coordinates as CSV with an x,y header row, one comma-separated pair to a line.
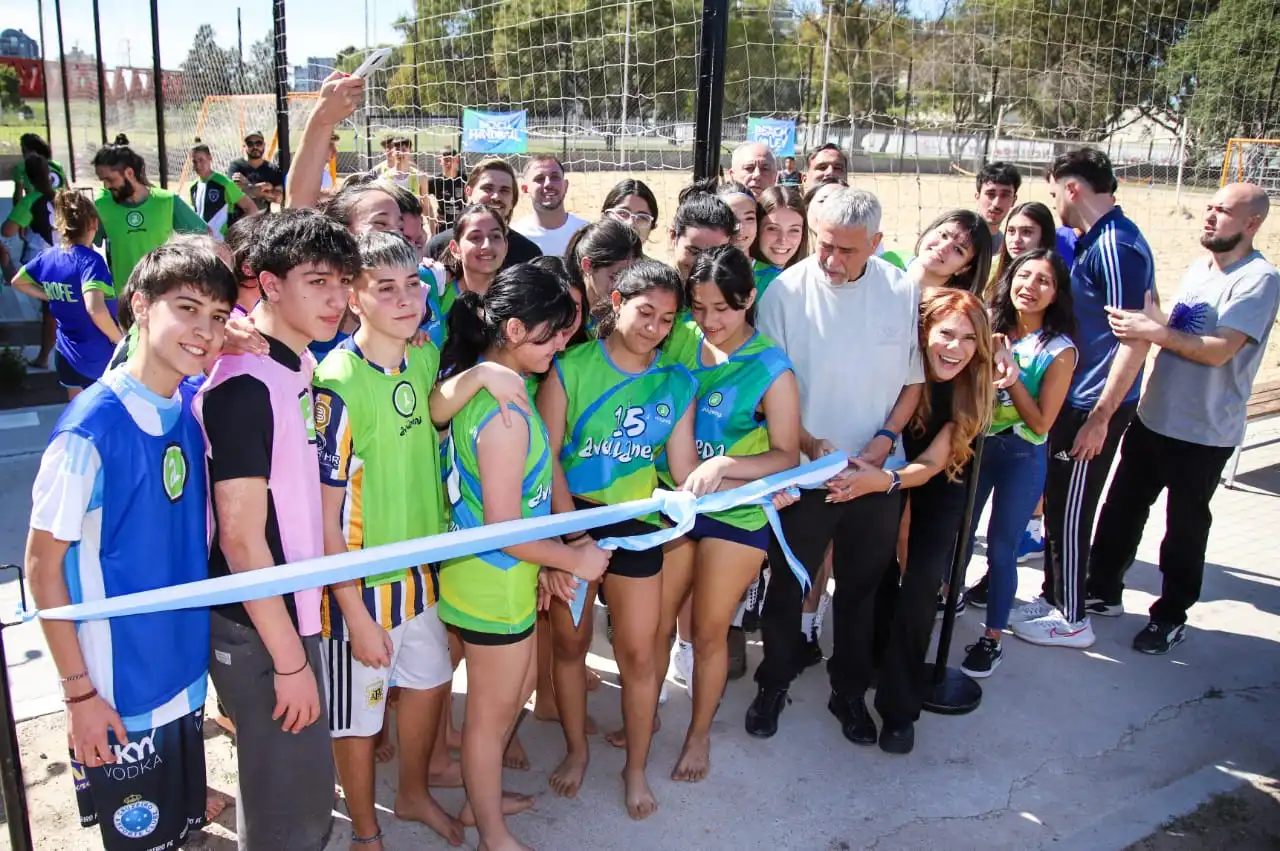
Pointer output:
x,y
1072,491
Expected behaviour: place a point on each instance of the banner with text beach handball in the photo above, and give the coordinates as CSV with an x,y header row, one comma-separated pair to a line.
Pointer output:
x,y
778,134
494,132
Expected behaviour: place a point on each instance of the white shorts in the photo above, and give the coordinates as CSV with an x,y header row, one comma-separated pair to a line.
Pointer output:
x,y
357,694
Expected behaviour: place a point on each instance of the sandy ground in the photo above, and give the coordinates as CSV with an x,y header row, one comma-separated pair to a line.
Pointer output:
x,y
1246,820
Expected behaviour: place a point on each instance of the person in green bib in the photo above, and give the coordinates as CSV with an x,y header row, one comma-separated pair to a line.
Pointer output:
x,y
746,427
28,144
213,195
613,408
136,216
497,472
472,260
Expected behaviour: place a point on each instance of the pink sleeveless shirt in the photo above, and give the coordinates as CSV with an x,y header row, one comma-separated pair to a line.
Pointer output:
x,y
294,484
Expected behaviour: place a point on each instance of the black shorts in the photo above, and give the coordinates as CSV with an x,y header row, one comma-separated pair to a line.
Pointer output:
x,y
153,795
492,639
633,564
68,375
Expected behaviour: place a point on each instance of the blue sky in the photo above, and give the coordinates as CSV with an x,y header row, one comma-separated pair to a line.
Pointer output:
x,y
314,27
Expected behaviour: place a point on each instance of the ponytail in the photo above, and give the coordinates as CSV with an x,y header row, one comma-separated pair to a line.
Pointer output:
x,y
469,336
120,156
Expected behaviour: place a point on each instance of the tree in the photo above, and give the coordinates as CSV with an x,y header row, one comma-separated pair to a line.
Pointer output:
x,y
10,86
208,69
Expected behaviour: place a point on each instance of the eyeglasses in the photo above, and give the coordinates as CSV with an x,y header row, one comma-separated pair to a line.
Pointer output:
x,y
623,214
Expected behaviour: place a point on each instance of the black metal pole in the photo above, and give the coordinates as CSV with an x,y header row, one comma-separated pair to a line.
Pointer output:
x,y
44,74
710,106
66,91
948,691
102,73
11,782
157,85
282,87
239,51
417,86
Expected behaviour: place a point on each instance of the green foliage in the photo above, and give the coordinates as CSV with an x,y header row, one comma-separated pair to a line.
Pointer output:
x,y
211,69
10,85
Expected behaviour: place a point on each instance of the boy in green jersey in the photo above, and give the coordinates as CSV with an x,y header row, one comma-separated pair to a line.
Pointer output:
x,y
214,194
379,464
135,216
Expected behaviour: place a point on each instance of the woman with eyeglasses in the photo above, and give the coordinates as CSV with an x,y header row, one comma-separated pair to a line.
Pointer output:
x,y
632,203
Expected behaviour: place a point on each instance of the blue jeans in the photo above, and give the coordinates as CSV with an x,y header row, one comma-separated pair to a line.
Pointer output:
x,y
1015,471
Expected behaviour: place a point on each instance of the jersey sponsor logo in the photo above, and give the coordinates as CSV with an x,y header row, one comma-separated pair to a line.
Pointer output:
x,y
373,694
322,411
308,414
57,291
174,471
135,219
136,751
134,759
137,818
404,399
715,399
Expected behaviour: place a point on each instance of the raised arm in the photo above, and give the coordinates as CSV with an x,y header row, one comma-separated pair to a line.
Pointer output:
x,y
339,97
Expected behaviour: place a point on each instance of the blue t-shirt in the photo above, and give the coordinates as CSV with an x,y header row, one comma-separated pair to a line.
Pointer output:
x,y
1066,245
1113,268
65,275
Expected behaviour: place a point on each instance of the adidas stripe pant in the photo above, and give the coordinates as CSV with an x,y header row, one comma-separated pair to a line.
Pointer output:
x,y
1072,491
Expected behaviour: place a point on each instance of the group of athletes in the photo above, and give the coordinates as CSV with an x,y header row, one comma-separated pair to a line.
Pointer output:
x,y
334,377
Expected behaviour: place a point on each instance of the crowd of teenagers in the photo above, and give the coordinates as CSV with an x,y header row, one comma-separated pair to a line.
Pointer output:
x,y
335,376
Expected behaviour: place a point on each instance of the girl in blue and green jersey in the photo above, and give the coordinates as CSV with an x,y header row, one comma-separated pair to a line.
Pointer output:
x,y
470,264
490,599
746,427
594,259
780,241
613,408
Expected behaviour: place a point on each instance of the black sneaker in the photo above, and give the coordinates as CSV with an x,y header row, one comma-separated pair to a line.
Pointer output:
x,y
855,721
1099,606
942,606
762,714
898,740
982,659
1158,639
808,654
976,596
737,653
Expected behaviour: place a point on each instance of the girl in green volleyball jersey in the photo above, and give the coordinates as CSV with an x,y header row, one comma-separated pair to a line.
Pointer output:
x,y
595,257
490,599
612,408
474,256
747,426
780,239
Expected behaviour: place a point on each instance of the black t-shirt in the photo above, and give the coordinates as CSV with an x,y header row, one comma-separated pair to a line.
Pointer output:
x,y
240,425
520,249
42,219
448,195
939,493
265,173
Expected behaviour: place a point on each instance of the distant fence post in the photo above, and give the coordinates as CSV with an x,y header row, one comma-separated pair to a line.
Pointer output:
x,y
710,110
157,86
282,86
44,74
102,73
66,90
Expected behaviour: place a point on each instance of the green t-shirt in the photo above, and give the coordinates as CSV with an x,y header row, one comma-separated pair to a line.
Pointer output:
x,y
214,199
378,443
728,419
132,230
617,423
491,592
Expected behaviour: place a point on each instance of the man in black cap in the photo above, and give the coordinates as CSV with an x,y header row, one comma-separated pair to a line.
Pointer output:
x,y
257,177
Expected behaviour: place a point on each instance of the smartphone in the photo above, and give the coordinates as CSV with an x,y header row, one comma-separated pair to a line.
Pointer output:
x,y
373,62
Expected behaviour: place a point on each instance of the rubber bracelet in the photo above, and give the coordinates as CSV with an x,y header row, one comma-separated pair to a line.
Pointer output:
x,y
884,432
89,695
71,679
291,673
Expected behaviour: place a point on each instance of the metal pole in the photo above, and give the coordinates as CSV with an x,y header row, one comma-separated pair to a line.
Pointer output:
x,y
806,89
710,105
992,114
417,85
906,115
44,74
102,74
282,87
826,74
157,84
11,782
240,49
1182,162
66,91
626,79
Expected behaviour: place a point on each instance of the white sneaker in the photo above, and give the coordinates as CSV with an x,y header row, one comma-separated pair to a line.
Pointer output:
x,y
1056,631
662,694
684,663
1037,608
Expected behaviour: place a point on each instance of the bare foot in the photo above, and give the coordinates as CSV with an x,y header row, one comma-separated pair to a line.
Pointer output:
x,y
215,802
566,779
383,749
508,843
512,803
640,801
593,680
448,775
695,760
428,812
515,757
618,738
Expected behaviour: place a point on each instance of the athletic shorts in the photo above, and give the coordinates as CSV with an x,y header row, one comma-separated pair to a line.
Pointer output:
x,y
68,375
493,639
634,564
357,694
706,526
153,795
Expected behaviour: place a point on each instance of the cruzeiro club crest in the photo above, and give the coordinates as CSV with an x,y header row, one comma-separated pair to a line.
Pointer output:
x,y
174,471
715,399
404,399
134,219
137,818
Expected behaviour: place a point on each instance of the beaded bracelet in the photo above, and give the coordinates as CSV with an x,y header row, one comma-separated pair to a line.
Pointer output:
x,y
89,695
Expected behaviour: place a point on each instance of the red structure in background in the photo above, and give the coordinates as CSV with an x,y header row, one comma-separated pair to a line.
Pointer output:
x,y
123,84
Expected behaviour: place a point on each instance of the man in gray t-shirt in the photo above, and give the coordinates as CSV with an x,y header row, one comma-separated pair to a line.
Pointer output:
x,y
1192,413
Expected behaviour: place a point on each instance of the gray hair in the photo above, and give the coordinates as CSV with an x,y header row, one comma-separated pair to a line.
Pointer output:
x,y
768,153
849,208
383,248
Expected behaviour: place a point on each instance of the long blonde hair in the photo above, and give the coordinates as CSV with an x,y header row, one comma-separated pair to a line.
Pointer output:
x,y
974,396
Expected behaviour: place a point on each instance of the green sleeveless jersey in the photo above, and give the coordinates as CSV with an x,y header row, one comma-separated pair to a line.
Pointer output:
x,y
728,419
764,273
617,423
377,441
491,592
133,231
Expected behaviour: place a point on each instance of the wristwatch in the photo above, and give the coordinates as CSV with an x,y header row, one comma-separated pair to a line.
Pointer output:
x,y
895,481
893,439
